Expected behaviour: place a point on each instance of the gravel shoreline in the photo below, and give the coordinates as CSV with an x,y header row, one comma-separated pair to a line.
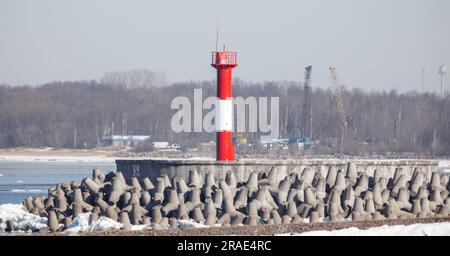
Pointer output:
x,y
262,230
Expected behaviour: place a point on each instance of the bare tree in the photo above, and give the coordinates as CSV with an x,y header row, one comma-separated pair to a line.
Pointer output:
x,y
137,78
67,114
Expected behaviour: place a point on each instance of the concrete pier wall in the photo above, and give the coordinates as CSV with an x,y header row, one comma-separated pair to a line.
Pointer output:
x,y
153,168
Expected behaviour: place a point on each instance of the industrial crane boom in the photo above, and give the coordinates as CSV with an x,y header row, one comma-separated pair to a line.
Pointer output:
x,y
306,121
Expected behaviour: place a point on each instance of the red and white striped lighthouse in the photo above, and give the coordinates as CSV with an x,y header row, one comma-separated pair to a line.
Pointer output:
x,y
224,62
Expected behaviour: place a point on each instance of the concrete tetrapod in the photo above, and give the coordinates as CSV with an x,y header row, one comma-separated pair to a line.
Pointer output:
x,y
52,222
351,174
258,201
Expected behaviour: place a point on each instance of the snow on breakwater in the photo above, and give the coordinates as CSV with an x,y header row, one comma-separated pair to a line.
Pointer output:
x,y
444,166
431,229
81,223
23,219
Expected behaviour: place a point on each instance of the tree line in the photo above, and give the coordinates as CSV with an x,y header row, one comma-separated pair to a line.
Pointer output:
x,y
78,114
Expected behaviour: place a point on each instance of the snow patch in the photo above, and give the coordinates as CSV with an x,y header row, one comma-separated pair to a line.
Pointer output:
x,y
27,190
58,159
140,227
184,224
444,166
27,220
81,223
23,218
430,229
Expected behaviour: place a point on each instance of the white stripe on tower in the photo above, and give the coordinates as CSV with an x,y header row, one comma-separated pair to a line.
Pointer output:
x,y
224,115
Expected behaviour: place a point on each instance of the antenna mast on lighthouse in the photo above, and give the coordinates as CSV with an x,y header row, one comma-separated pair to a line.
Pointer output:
x,y
217,31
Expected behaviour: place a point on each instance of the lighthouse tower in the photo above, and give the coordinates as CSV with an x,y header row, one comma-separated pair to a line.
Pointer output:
x,y
224,62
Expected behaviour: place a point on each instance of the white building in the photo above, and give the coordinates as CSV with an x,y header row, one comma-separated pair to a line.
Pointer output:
x,y
124,140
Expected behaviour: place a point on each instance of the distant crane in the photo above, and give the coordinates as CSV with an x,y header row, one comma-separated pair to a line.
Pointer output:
x,y
306,121
340,107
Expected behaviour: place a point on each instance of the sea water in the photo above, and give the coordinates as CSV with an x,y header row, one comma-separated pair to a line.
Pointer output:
x,y
21,179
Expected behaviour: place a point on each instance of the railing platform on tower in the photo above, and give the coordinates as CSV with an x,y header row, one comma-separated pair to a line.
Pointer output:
x,y
224,59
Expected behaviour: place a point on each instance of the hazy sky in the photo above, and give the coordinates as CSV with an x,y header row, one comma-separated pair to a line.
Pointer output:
x,y
375,44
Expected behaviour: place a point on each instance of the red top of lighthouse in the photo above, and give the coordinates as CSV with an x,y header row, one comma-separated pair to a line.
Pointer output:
x,y
224,59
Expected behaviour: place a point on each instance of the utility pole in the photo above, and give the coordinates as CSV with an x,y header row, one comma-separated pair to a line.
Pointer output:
x,y
437,134
442,71
124,124
75,137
